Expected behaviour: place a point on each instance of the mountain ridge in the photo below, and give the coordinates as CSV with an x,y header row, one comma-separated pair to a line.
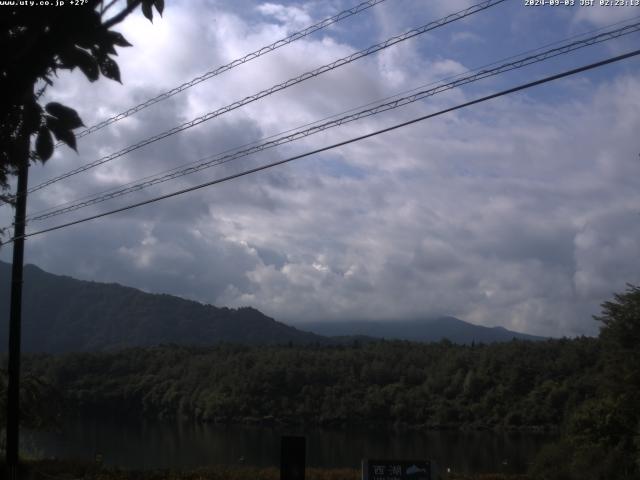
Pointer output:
x,y
420,330
64,314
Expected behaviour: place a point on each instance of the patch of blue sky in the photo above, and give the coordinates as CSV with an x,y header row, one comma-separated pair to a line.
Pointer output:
x,y
333,165
481,43
355,31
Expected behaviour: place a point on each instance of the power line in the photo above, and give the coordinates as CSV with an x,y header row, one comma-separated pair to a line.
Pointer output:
x,y
588,41
340,144
234,63
225,157
276,88
496,62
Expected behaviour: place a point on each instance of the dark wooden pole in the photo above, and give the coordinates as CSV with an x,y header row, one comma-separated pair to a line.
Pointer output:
x,y
292,457
15,316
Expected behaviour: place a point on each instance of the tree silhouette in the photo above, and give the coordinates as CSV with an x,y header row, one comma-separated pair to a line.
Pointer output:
x,y
36,42
620,336
602,436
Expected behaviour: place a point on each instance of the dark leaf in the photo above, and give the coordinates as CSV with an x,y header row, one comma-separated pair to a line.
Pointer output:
x,y
84,29
61,133
76,57
68,58
86,43
68,117
146,9
108,47
117,39
44,144
89,67
110,69
159,6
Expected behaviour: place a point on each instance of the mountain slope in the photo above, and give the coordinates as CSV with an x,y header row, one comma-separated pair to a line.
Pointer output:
x,y
62,314
428,330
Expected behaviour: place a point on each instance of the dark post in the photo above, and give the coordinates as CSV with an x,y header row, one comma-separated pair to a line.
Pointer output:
x,y
292,458
13,391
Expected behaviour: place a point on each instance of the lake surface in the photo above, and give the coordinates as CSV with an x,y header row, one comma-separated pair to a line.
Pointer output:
x,y
180,444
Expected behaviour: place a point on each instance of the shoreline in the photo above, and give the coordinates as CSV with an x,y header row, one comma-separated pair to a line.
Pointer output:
x,y
329,424
70,469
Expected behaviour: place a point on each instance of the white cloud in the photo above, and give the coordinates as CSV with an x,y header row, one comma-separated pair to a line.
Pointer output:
x,y
519,212
601,16
294,18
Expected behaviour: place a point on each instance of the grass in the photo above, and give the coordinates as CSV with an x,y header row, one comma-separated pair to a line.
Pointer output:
x,y
73,470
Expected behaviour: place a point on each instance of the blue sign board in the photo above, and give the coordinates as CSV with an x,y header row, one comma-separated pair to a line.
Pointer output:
x,y
396,470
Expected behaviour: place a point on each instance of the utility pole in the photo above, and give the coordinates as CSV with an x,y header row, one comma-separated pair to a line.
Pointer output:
x,y
15,316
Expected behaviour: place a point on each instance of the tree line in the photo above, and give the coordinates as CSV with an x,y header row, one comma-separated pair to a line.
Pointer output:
x,y
512,385
587,389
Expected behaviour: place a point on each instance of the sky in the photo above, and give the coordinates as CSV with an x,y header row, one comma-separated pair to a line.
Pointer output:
x,y
521,212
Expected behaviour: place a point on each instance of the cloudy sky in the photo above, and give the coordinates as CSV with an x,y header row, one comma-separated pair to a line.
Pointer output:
x,y
522,212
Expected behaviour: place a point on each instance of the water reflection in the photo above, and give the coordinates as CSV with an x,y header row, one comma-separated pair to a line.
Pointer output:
x,y
179,444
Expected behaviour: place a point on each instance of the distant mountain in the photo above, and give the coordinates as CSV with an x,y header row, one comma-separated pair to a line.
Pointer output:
x,y
427,330
62,314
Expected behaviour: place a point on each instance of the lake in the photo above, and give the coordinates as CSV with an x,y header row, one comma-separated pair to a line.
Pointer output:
x,y
151,444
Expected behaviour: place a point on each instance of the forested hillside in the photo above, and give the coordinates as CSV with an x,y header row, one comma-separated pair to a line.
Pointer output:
x,y
513,385
62,314
431,329
587,388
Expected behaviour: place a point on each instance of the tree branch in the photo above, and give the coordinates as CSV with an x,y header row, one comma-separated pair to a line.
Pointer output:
x,y
107,7
122,15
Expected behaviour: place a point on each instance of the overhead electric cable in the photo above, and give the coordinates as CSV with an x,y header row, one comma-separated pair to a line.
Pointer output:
x,y
234,63
339,144
225,157
540,50
276,88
